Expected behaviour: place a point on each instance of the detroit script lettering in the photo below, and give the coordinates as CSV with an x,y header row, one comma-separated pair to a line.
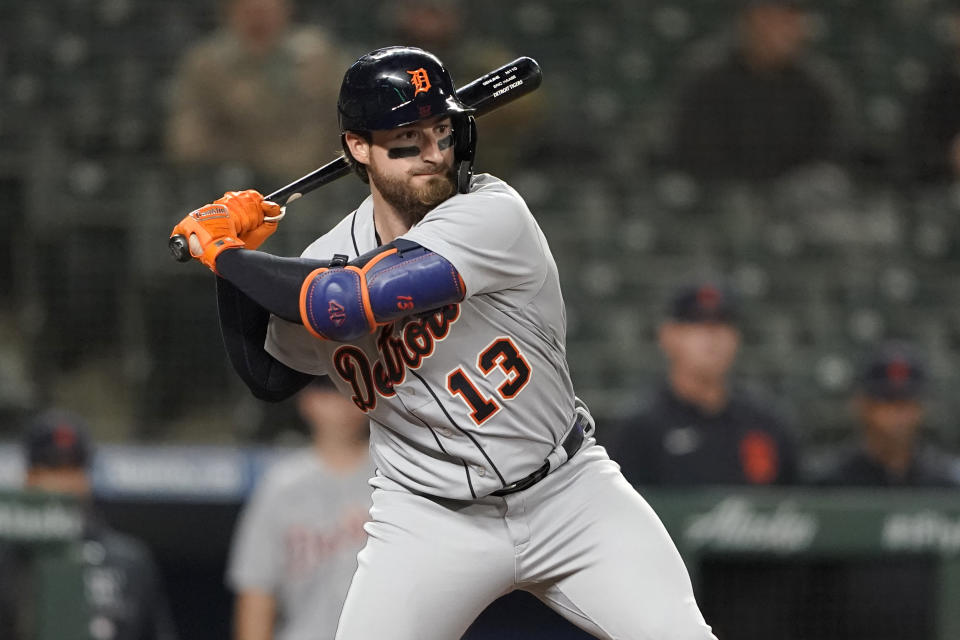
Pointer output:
x,y
399,348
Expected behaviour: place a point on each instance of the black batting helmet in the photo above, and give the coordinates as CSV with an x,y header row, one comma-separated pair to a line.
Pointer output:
x,y
397,86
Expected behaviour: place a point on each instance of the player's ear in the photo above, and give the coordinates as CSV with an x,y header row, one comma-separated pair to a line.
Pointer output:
x,y
358,146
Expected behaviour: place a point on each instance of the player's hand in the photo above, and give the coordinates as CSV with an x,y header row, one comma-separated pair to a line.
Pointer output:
x,y
209,231
248,209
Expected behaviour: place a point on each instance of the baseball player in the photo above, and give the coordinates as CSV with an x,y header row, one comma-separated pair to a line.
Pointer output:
x,y
436,307
295,547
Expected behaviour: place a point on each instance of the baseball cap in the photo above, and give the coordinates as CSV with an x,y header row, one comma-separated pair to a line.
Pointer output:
x,y
57,439
893,372
704,302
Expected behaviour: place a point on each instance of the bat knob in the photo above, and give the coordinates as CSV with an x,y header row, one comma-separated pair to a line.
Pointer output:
x,y
179,248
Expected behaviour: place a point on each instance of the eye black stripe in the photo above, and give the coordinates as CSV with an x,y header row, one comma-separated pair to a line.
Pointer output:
x,y
403,152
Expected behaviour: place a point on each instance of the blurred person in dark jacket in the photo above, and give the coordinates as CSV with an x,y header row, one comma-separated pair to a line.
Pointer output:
x,y
889,451
122,591
932,141
700,428
764,106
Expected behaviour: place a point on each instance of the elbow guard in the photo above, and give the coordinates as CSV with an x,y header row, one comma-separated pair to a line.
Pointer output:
x,y
343,303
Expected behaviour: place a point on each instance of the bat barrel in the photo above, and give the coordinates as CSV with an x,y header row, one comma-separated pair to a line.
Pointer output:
x,y
506,84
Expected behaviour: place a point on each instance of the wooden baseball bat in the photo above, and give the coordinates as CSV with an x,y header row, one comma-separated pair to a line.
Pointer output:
x,y
488,92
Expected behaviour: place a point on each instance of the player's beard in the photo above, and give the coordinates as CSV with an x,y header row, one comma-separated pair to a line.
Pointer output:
x,y
413,203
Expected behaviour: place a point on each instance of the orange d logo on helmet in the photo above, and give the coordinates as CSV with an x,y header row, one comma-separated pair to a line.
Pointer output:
x,y
420,80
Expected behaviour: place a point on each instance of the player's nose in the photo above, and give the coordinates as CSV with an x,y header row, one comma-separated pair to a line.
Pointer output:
x,y
431,151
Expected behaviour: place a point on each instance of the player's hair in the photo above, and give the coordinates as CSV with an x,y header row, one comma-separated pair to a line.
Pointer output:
x,y
358,168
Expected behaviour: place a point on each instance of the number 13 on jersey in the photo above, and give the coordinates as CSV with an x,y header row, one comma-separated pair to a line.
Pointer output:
x,y
501,354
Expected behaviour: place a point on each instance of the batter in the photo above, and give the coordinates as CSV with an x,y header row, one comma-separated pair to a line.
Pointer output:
x,y
436,306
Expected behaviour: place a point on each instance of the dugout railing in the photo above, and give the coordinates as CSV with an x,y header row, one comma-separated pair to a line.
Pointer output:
x,y
821,564
41,568
789,563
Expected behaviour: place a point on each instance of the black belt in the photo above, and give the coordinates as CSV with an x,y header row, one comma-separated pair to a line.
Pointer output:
x,y
571,444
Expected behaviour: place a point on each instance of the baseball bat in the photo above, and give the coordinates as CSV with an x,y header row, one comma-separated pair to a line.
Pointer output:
x,y
488,92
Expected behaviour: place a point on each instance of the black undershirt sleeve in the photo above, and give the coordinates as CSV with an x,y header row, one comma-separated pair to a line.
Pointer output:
x,y
271,282
243,324
252,285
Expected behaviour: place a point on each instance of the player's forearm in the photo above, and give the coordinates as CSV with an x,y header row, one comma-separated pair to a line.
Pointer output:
x,y
254,615
272,282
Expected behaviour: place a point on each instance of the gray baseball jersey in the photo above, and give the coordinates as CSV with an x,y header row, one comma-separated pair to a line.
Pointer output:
x,y
463,402
298,539
476,395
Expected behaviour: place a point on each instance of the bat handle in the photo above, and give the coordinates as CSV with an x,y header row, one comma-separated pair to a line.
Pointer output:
x,y
179,248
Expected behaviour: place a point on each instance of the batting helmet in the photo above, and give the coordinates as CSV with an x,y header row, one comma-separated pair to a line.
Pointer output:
x,y
397,86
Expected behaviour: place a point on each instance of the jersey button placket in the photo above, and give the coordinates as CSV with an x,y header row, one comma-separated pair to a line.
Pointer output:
x,y
479,470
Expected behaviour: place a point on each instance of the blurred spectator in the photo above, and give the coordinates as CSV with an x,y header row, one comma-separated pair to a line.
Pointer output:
x,y
699,429
122,588
888,451
932,144
257,94
295,549
253,103
508,137
763,106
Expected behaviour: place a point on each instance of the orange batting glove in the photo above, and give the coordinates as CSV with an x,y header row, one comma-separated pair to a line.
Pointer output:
x,y
209,231
247,210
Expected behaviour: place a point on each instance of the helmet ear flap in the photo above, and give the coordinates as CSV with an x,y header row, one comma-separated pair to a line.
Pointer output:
x,y
465,149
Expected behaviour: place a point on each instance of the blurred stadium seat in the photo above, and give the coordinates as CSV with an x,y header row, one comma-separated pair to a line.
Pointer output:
x,y
827,265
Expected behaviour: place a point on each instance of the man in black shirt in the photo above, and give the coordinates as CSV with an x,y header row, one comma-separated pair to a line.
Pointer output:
x,y
700,429
931,151
764,106
890,411
121,585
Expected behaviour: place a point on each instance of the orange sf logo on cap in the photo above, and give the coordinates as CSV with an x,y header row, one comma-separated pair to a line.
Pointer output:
x,y
420,80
